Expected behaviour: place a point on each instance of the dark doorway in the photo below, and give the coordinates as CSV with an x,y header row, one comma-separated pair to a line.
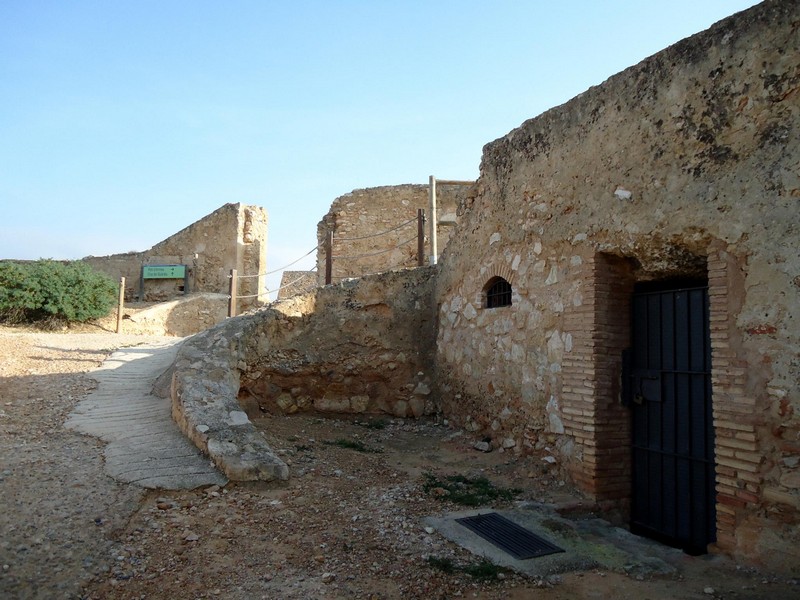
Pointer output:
x,y
667,384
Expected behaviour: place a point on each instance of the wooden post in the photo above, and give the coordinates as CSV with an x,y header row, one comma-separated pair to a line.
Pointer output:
x,y
141,284
432,198
329,258
121,303
420,237
233,292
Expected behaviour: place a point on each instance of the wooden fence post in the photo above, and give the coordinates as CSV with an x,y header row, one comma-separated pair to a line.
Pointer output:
x,y
420,237
329,258
121,303
232,297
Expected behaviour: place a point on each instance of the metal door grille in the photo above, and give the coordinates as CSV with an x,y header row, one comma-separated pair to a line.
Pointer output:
x,y
508,536
668,385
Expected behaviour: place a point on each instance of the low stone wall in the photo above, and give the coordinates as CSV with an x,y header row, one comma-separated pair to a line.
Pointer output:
x,y
181,318
364,346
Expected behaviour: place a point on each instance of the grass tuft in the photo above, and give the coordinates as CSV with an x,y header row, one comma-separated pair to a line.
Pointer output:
x,y
466,491
484,570
353,445
375,424
446,565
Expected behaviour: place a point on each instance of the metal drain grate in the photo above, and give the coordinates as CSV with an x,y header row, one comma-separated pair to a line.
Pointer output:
x,y
508,536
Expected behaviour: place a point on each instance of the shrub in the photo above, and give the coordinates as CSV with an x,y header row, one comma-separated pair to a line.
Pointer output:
x,y
51,291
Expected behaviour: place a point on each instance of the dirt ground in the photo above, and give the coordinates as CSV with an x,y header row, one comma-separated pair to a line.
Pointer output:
x,y
347,525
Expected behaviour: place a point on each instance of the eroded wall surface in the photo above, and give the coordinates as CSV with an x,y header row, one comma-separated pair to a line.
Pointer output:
x,y
232,237
685,165
363,346
296,282
356,218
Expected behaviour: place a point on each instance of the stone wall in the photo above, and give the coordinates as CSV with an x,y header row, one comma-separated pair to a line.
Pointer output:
x,y
232,237
363,346
685,165
357,217
296,282
182,317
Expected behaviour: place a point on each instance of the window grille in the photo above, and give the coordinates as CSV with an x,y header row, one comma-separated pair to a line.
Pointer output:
x,y
498,293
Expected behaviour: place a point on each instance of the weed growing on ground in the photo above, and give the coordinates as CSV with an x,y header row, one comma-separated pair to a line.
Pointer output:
x,y
374,424
446,565
353,445
466,491
484,570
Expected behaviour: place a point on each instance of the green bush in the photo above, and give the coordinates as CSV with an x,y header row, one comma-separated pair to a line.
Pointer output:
x,y
48,291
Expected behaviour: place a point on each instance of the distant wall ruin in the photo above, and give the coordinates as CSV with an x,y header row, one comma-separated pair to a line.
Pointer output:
x,y
357,217
232,237
296,282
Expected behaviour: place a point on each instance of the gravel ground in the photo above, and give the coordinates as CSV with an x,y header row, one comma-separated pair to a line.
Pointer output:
x,y
347,525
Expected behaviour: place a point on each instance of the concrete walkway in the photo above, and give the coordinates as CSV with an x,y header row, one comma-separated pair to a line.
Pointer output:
x,y
145,446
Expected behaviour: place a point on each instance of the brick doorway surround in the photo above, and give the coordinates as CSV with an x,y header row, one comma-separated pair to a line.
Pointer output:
x,y
600,427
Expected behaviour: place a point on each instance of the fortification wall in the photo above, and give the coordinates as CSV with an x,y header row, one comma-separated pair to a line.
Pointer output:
x,y
685,165
357,217
232,237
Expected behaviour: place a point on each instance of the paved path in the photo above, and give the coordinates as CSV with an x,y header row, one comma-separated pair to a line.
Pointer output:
x,y
145,446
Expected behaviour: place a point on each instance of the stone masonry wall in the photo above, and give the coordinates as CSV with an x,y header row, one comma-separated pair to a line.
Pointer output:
x,y
296,282
356,217
685,165
362,346
232,237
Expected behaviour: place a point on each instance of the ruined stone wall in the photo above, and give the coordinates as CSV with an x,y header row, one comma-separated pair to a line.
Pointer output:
x,y
363,346
232,237
182,317
687,164
296,282
357,217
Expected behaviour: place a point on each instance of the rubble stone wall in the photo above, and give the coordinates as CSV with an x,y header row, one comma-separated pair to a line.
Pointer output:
x,y
356,217
232,237
296,282
685,165
362,346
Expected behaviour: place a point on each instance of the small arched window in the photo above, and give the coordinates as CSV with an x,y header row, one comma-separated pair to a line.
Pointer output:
x,y
497,292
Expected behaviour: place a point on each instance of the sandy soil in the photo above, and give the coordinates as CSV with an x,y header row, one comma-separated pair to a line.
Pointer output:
x,y
347,525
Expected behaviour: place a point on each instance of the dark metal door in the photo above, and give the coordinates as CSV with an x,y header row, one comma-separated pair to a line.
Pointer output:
x,y
667,383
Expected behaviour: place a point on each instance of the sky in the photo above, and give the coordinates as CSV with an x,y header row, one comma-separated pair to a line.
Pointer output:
x,y
123,122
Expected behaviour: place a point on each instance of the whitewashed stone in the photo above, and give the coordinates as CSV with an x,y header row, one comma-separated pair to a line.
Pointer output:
x,y
238,417
470,312
623,194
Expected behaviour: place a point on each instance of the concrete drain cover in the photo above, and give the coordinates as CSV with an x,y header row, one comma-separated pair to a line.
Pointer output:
x,y
508,536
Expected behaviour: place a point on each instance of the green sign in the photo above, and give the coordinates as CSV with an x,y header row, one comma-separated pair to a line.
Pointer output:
x,y
164,272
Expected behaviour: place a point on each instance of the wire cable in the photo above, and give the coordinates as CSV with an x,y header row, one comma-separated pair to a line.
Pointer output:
x,y
400,245
372,235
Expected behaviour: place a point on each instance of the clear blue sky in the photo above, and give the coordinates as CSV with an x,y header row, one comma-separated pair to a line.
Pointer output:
x,y
123,122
